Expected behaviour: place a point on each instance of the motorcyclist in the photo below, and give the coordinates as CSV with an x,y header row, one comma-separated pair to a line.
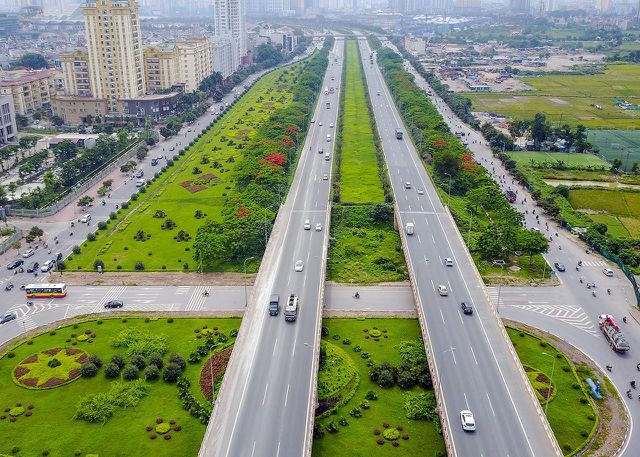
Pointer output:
x,y
633,384
609,291
357,294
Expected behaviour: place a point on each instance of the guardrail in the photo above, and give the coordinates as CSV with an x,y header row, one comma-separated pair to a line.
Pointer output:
x,y
6,244
78,189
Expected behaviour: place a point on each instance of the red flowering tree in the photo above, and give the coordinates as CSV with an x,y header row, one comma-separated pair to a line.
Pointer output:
x,y
274,160
243,212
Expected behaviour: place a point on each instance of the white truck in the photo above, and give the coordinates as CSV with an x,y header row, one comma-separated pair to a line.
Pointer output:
x,y
409,228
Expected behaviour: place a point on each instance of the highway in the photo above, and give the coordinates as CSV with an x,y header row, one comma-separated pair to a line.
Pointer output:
x,y
267,399
475,364
570,310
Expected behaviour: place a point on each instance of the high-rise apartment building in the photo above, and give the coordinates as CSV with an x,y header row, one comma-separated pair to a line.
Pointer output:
x,y
8,129
229,29
114,44
160,68
520,6
75,68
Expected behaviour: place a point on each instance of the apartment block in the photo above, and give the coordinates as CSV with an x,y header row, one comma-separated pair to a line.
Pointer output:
x,y
75,68
30,90
8,128
160,68
114,42
195,62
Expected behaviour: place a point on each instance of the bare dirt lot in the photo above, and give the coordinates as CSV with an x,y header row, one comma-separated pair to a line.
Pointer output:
x,y
150,278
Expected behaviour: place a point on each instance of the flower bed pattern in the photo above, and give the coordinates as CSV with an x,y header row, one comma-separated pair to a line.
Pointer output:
x,y
163,428
35,371
219,361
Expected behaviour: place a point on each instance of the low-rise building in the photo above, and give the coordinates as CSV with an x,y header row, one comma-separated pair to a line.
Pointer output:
x,y
155,106
86,141
74,109
31,90
8,128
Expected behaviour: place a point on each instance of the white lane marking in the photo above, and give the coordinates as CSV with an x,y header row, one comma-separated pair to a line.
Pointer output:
x,y
294,347
489,400
253,449
433,286
433,238
419,240
274,348
466,402
286,397
460,316
442,316
278,453
264,397
473,354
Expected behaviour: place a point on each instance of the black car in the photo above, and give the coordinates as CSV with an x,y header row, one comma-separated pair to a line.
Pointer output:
x,y
8,317
14,264
559,266
58,256
466,308
114,304
33,266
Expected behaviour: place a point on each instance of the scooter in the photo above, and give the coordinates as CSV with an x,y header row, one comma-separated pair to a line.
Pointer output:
x,y
629,394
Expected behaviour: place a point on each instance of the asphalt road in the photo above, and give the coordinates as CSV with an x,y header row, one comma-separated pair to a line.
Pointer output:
x,y
569,310
265,406
68,236
471,355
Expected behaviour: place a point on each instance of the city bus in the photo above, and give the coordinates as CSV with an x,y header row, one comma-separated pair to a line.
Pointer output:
x,y
46,290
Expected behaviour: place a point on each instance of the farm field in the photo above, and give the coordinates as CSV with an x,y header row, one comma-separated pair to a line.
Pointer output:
x,y
359,179
348,346
570,159
570,413
163,222
614,208
42,389
618,144
569,99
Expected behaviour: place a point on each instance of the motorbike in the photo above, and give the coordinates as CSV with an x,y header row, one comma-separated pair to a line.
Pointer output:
x,y
8,287
629,394
593,293
356,295
22,286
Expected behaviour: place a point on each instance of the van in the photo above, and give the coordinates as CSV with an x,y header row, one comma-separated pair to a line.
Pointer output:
x,y
409,228
291,310
274,305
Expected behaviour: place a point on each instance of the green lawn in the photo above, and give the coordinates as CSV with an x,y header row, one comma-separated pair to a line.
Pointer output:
x,y
618,144
569,99
571,160
183,190
571,415
359,180
363,250
357,438
52,426
622,204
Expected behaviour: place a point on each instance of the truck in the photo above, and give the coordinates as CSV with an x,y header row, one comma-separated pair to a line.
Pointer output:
x,y
409,228
612,333
398,134
511,196
291,309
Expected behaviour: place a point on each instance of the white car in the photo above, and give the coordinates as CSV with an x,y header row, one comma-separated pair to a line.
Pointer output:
x,y
442,290
607,272
320,123
420,191
48,265
325,177
318,227
140,183
299,265
307,224
28,253
331,125
468,422
407,185
313,121
448,262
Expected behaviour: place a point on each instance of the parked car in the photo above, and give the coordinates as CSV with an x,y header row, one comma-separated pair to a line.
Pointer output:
x,y
14,264
28,253
114,304
8,317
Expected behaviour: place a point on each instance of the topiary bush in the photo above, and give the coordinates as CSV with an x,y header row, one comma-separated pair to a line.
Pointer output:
x,y
151,373
130,372
97,361
391,434
138,361
88,370
111,371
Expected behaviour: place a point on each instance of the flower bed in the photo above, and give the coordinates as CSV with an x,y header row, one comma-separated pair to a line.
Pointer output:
x,y
49,368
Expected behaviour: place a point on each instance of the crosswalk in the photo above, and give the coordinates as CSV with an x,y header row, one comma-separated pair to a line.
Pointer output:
x,y
594,263
113,293
572,315
197,299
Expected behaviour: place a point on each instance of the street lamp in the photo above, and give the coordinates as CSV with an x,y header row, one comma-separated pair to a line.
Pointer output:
x,y
245,279
449,193
500,288
553,367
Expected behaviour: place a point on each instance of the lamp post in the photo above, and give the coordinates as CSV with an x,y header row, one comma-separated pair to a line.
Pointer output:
x,y
553,367
449,193
245,279
500,288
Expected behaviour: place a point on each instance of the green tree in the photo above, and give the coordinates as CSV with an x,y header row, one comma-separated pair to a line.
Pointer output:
x,y
580,139
56,120
85,201
539,128
634,168
532,243
31,60
616,166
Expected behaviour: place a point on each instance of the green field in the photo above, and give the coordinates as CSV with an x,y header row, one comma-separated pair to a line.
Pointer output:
x,y
359,180
50,424
621,207
618,144
364,250
193,190
569,99
345,362
570,413
569,159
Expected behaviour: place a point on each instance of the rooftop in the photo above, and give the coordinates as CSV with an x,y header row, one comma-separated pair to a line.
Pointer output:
x,y
17,77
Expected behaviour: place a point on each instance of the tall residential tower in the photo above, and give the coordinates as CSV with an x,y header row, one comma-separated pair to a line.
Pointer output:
x,y
116,66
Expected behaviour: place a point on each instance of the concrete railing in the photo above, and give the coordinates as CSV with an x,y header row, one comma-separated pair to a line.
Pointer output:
x,y
78,189
5,245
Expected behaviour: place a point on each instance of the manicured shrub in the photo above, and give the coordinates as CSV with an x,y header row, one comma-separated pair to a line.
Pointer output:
x,y
405,436
118,360
171,372
139,266
138,361
167,437
130,372
151,373
88,370
91,236
346,341
153,436
371,395
395,443
342,421
54,363
156,359
355,412
376,431
332,427
178,360
177,428
380,441
148,428
364,404
102,225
